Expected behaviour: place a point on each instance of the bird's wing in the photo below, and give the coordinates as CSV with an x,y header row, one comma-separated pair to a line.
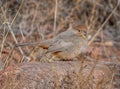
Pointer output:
x,y
60,46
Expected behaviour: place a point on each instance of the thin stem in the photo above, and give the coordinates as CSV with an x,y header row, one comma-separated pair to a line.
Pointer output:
x,y
55,17
104,23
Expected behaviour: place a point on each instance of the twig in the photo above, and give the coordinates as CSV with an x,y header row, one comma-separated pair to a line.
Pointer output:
x,y
17,12
20,49
55,17
10,29
104,23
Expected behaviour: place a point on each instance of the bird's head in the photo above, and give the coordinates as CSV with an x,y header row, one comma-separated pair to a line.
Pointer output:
x,y
81,30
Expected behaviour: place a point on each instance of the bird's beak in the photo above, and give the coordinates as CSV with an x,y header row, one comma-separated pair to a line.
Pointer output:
x,y
83,36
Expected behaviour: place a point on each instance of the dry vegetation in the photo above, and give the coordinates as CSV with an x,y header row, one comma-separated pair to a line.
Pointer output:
x,y
35,20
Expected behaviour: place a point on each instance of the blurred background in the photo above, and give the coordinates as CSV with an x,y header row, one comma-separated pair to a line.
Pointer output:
x,y
34,20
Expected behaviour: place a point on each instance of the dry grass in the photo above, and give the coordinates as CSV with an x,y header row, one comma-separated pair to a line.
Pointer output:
x,y
33,21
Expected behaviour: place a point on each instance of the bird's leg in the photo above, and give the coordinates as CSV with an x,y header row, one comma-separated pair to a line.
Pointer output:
x,y
47,57
44,58
51,59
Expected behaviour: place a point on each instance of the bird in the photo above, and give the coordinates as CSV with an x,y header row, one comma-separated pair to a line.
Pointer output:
x,y
66,45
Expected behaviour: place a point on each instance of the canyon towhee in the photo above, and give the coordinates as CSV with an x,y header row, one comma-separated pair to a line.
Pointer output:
x,y
67,44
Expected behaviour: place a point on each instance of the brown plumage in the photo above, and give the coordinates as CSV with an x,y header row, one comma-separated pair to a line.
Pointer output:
x,y
67,44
